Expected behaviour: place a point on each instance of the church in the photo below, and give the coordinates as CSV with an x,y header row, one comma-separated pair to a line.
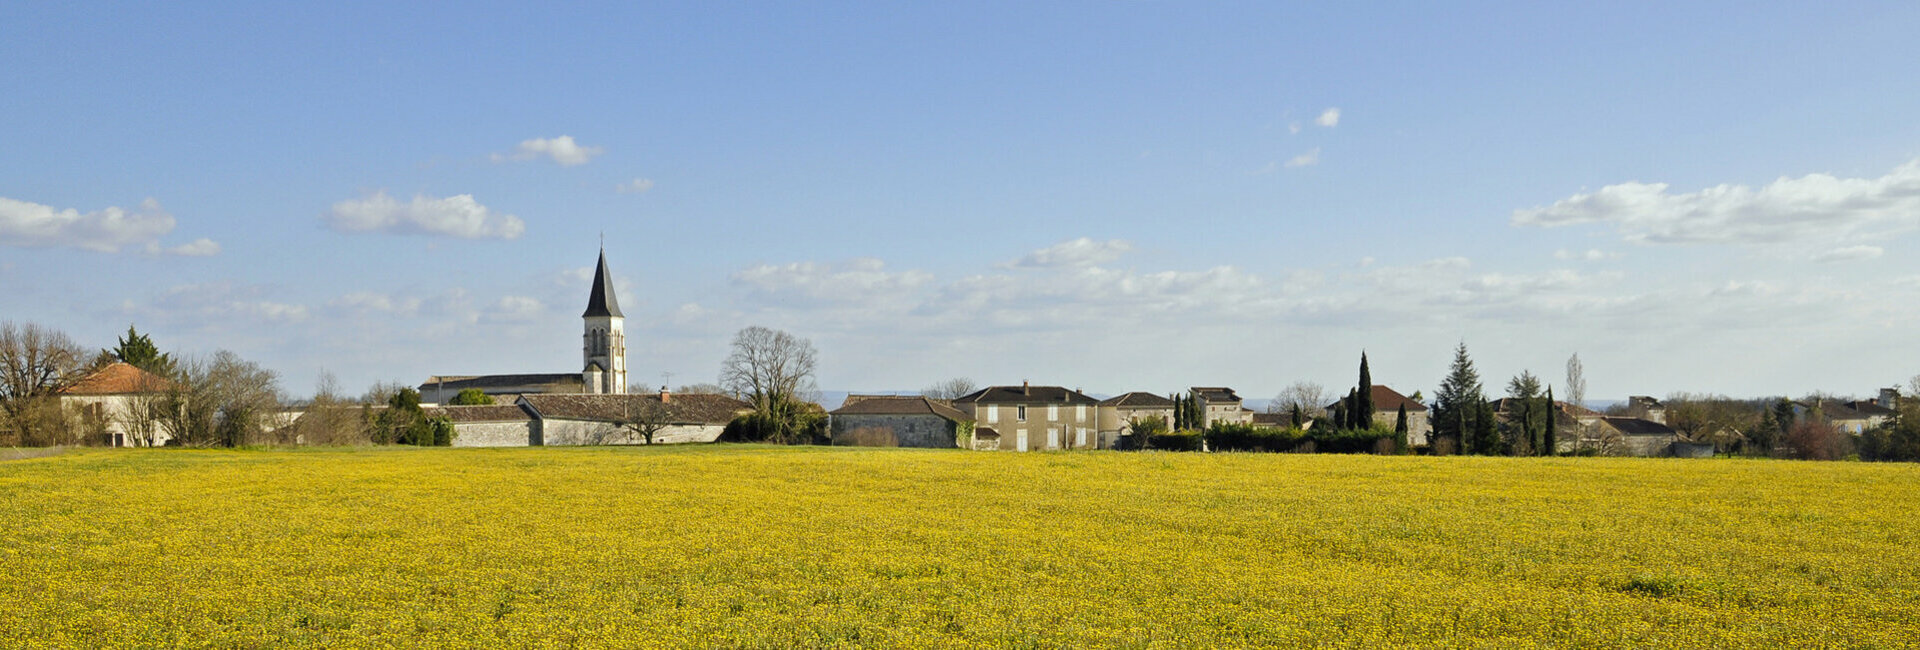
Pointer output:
x,y
603,348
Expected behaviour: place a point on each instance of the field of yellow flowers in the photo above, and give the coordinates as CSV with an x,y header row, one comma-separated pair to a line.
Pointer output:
x,y
776,547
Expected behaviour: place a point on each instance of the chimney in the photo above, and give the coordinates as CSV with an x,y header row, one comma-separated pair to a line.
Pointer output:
x,y
1024,388
665,396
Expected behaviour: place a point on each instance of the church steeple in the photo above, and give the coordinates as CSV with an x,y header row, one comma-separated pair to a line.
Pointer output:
x,y
604,344
602,302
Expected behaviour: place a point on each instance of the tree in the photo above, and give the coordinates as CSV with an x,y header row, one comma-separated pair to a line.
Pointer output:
x,y
139,351
403,422
1458,402
950,389
1524,389
218,401
36,363
1486,437
1309,398
1362,413
471,397
1813,439
1576,381
1550,444
772,370
331,419
1400,429
644,416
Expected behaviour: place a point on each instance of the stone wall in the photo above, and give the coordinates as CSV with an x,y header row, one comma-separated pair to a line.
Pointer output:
x,y
518,433
560,433
871,430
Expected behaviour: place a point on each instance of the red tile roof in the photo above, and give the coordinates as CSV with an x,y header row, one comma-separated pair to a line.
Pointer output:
x,y
119,378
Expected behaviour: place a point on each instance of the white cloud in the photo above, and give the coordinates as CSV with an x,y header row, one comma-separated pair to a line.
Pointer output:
x,y
372,302
858,279
108,230
1077,252
1849,254
635,186
1817,208
1591,255
514,309
1306,159
562,150
453,216
218,304
1328,118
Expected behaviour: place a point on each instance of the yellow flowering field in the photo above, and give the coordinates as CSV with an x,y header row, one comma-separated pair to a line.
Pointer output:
x,y
777,547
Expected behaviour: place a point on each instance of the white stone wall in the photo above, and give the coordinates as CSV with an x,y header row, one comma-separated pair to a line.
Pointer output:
x,y
560,433
115,409
493,434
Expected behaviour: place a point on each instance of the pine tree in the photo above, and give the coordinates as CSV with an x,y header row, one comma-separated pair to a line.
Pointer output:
x,y
1363,398
139,351
1457,403
1486,437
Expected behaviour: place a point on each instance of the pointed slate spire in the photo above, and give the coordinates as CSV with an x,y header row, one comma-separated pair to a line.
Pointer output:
x,y
601,302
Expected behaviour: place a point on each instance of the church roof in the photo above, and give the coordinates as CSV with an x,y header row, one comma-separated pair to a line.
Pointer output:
x,y
503,383
601,301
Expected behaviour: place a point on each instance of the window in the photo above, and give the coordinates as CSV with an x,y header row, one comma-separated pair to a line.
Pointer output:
x,y
1053,411
1022,415
993,413
1080,412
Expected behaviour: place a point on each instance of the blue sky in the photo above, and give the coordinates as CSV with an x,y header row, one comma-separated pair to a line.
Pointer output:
x,y
1114,196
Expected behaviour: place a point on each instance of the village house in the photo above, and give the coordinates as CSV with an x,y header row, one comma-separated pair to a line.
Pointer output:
x,y
1386,412
1027,417
117,401
1117,414
1633,436
899,421
1221,404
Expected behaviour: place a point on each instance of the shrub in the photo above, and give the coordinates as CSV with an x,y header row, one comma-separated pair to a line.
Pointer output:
x,y
1224,436
1176,441
1350,441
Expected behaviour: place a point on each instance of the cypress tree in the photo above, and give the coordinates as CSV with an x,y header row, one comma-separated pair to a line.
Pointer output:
x,y
1486,435
1363,397
1400,429
1548,438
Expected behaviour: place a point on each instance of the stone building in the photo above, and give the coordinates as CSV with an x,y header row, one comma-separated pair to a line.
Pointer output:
x,y
587,419
505,425
1221,404
1118,413
1027,417
118,400
899,421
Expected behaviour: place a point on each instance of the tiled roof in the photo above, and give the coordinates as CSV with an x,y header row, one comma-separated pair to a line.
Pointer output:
x,y
681,409
1216,393
484,382
1638,427
1273,419
899,405
488,413
1387,399
1138,399
1025,395
119,378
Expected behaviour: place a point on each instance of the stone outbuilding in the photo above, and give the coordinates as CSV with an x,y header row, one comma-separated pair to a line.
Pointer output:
x,y
1117,414
899,421
585,419
505,425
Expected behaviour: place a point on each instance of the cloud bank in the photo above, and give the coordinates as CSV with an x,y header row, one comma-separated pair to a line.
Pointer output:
x,y
32,225
454,216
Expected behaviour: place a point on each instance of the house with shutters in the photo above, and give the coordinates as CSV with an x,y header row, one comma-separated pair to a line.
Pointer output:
x,y
1032,418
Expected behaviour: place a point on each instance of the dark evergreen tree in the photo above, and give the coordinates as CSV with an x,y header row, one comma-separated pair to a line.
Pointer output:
x,y
1486,436
1457,403
1400,429
138,350
1299,418
1548,445
1363,397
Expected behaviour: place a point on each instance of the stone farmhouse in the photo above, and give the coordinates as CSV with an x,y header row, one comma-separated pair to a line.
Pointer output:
x,y
900,421
592,419
1221,404
1116,414
116,399
1027,417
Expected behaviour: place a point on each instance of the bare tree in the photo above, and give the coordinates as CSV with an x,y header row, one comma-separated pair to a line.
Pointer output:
x,y
145,408
1576,381
220,400
703,389
768,367
950,389
35,364
1310,397
332,419
643,416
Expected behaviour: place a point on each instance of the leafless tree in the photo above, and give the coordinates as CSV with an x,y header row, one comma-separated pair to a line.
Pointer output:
x,y
702,389
220,400
332,419
35,364
1310,397
950,389
145,408
769,368
643,416
1576,381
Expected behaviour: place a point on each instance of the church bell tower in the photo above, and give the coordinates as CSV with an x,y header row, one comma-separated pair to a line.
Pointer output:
x,y
605,342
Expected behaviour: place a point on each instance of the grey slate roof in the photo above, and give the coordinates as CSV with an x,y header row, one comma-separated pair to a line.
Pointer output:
x,y
1216,393
681,409
1639,427
1025,395
486,413
601,302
